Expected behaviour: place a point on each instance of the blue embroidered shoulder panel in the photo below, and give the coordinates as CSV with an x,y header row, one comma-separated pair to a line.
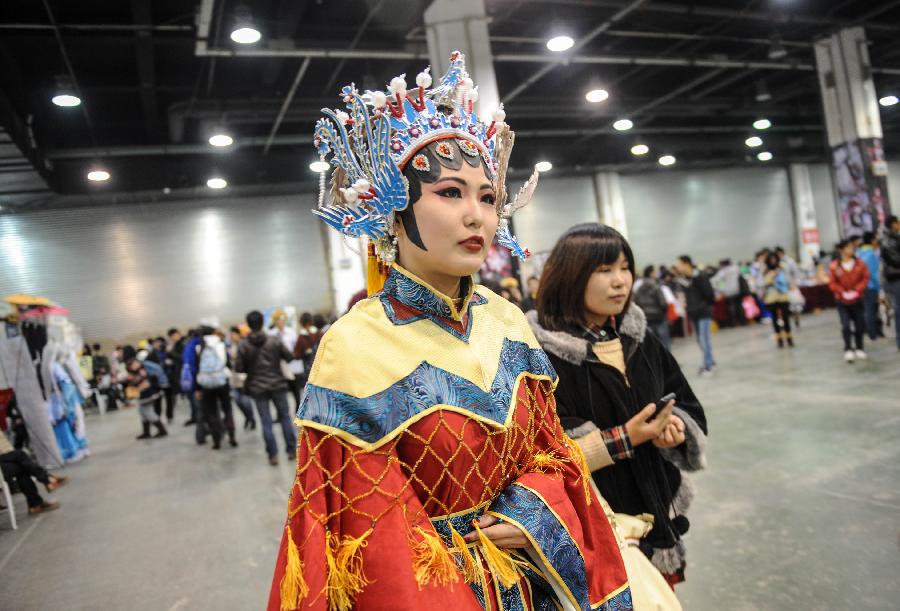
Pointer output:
x,y
374,417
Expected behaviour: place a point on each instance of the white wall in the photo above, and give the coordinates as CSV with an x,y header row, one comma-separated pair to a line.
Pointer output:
x,y
708,214
136,270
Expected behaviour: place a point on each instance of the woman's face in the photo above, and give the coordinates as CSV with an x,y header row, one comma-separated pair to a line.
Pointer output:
x,y
457,219
608,288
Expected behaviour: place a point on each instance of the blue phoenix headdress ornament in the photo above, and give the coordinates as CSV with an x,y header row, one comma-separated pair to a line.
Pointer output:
x,y
379,132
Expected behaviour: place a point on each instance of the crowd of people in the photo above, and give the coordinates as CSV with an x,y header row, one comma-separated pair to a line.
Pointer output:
x,y
252,367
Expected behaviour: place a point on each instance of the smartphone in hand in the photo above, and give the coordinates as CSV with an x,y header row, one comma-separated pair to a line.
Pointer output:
x,y
661,404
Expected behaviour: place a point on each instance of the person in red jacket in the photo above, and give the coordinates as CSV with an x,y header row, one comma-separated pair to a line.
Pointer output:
x,y
848,278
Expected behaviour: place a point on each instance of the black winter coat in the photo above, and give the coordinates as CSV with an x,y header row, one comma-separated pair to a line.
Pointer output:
x,y
259,356
700,296
588,390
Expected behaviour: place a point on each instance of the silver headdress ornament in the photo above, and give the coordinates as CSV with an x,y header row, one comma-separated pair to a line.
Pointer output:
x,y
379,132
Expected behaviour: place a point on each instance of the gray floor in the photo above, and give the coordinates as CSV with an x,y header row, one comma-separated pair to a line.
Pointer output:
x,y
799,509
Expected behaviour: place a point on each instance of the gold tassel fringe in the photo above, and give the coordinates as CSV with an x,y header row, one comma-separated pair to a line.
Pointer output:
x,y
581,461
345,570
376,271
293,586
470,568
545,461
500,563
432,562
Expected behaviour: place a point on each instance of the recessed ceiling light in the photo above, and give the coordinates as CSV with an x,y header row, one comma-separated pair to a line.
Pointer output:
x,y
543,166
764,156
221,140
216,183
246,36
640,149
623,125
667,160
560,43
66,100
762,124
98,175
888,100
753,141
319,166
596,95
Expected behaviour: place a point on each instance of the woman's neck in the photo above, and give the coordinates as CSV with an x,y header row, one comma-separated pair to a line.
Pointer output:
x,y
846,258
446,284
596,320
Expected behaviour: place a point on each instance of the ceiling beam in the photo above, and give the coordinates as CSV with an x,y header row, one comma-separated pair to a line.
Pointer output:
x,y
146,66
335,74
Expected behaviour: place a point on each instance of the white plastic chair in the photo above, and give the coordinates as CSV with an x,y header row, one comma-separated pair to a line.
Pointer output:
x,y
7,499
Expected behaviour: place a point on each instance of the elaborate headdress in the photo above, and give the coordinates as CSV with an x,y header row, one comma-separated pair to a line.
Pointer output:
x,y
380,132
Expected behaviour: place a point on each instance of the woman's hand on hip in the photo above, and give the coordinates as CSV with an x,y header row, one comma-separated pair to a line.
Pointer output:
x,y
640,430
502,534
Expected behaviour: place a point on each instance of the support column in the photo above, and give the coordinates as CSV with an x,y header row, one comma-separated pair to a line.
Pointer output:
x,y
853,123
610,204
804,214
452,25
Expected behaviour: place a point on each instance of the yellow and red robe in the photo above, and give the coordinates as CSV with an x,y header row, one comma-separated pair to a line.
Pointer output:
x,y
418,418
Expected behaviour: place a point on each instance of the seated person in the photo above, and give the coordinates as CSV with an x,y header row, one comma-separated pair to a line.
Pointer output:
x,y
18,467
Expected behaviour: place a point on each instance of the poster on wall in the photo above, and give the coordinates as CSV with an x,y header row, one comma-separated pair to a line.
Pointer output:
x,y
860,175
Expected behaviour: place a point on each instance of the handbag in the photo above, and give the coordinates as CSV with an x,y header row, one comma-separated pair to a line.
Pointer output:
x,y
649,589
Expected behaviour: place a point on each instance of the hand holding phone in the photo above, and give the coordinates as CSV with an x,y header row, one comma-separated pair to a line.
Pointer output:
x,y
661,404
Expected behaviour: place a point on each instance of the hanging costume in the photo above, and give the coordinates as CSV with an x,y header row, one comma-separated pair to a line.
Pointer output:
x,y
420,415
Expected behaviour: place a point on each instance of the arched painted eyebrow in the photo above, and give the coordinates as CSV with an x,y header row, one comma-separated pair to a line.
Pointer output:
x,y
462,182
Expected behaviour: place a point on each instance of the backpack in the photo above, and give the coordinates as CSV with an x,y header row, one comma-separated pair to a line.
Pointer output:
x,y
212,372
651,300
154,370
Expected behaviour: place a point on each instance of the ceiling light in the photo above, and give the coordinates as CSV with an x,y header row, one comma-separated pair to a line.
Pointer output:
x,y
753,141
777,50
221,140
543,166
667,160
762,92
596,95
762,124
98,175
66,100
246,35
319,166
888,100
764,156
640,149
216,183
560,43
623,125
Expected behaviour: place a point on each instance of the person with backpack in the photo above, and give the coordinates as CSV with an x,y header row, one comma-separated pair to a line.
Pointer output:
x,y
188,383
700,298
777,298
259,356
154,369
143,389
307,343
215,393
649,296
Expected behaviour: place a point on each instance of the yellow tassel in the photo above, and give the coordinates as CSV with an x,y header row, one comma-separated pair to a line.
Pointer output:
x,y
545,461
345,570
293,586
432,561
582,464
500,563
470,568
376,272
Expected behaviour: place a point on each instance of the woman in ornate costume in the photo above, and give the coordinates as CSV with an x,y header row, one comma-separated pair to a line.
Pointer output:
x,y
432,469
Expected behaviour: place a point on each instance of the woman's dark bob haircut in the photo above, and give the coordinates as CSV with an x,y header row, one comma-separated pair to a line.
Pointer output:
x,y
577,255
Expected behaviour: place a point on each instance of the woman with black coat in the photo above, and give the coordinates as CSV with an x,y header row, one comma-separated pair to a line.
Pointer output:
x,y
611,373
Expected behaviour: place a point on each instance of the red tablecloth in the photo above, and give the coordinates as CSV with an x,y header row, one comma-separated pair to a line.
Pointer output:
x,y
817,297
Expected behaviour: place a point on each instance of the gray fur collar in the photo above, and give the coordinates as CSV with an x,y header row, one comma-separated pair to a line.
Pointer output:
x,y
575,349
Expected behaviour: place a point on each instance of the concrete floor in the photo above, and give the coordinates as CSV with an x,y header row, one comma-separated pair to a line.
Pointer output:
x,y
799,509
